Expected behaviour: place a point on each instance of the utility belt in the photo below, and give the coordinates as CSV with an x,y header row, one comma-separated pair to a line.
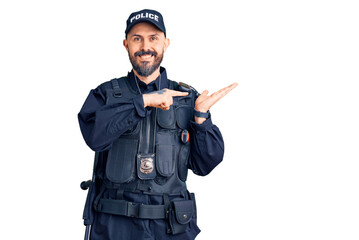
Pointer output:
x,y
177,212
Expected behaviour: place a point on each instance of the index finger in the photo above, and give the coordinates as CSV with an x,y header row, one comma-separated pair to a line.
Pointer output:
x,y
175,93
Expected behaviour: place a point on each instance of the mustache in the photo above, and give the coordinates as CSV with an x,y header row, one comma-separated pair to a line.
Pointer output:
x,y
142,52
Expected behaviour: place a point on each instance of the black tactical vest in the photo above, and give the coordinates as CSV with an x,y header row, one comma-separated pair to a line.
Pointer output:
x,y
154,153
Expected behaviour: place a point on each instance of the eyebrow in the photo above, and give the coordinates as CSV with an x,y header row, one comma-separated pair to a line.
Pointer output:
x,y
138,35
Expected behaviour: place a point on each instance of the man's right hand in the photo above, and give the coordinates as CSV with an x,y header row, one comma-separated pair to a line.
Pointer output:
x,y
161,99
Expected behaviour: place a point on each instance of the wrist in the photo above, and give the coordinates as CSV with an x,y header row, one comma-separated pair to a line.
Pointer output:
x,y
200,117
201,114
199,109
146,100
199,120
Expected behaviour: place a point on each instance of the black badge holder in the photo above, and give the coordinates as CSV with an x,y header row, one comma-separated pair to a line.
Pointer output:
x,y
146,166
146,162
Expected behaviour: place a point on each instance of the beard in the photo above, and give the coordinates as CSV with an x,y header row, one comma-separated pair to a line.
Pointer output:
x,y
144,68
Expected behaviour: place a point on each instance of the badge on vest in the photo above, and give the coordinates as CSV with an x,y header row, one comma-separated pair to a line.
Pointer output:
x,y
146,166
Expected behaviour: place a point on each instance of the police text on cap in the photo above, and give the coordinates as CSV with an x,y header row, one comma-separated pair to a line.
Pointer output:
x,y
145,15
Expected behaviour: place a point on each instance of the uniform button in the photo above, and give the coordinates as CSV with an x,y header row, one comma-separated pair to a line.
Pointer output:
x,y
184,216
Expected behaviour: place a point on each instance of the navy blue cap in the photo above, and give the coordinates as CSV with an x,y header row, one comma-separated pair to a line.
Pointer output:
x,y
146,15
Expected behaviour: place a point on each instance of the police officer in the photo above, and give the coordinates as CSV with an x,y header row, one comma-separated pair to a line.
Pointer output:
x,y
147,131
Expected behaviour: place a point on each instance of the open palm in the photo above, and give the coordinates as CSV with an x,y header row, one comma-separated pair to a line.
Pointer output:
x,y
204,102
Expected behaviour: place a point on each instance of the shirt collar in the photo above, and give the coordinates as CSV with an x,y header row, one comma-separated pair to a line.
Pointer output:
x,y
143,86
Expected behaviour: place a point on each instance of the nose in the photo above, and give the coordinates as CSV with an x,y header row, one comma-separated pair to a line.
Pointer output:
x,y
145,45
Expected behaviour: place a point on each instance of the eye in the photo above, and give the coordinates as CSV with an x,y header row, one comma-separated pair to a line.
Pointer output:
x,y
154,38
136,39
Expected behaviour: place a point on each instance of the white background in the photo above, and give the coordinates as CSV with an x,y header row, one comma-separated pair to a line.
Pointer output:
x,y
291,127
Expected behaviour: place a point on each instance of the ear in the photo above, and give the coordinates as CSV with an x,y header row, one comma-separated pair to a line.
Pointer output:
x,y
167,43
125,44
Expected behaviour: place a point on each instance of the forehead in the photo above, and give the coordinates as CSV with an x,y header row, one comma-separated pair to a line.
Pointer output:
x,y
144,29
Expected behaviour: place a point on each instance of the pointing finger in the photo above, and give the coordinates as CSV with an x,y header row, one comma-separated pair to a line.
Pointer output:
x,y
178,93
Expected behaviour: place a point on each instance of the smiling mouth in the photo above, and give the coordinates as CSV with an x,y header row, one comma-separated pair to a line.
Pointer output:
x,y
146,56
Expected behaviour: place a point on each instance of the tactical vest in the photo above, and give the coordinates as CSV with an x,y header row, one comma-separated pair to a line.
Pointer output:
x,y
150,158
153,155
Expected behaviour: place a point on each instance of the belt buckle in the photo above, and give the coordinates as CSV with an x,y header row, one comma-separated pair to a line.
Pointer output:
x,y
133,209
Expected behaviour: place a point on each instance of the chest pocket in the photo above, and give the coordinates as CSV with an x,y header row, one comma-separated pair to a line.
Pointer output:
x,y
170,151
179,114
121,160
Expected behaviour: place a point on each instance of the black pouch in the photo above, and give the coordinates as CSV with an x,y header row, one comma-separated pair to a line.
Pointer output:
x,y
184,115
121,161
165,160
180,215
166,118
183,162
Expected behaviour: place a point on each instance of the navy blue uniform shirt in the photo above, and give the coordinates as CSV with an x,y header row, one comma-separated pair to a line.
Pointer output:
x,y
102,124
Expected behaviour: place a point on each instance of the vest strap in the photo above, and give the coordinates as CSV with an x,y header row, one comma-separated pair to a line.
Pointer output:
x,y
201,114
116,88
131,209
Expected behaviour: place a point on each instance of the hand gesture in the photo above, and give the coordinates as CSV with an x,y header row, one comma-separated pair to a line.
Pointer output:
x,y
205,102
161,99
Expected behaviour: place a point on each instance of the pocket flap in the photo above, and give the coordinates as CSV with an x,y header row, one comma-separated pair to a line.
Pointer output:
x,y
166,118
183,210
184,115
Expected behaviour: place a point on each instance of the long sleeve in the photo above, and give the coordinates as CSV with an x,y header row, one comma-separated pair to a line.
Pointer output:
x,y
101,124
207,147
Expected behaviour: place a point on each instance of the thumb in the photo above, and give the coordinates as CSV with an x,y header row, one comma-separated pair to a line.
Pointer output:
x,y
204,93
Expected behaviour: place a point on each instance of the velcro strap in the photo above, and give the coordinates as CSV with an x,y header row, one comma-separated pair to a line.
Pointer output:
x,y
201,114
131,209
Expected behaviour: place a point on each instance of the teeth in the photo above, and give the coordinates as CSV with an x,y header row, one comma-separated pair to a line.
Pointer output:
x,y
146,56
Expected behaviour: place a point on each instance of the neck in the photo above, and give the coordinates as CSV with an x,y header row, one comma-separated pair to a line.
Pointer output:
x,y
149,78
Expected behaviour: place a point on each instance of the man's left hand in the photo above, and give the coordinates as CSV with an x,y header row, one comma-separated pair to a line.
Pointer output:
x,y
205,102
